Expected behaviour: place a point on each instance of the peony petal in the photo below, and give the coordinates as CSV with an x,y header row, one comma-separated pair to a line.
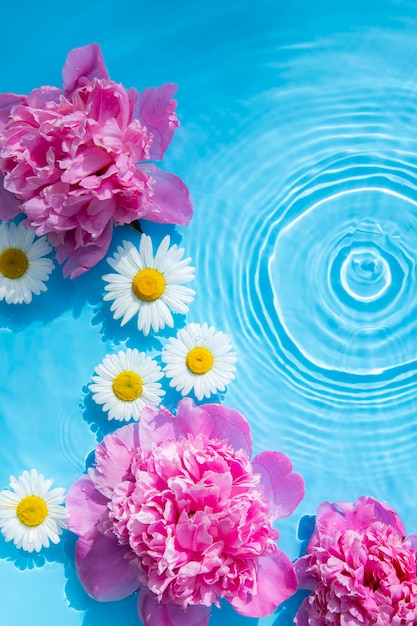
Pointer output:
x,y
368,510
7,102
80,260
9,204
276,582
281,486
302,570
154,614
103,569
170,202
40,97
113,458
302,617
155,425
157,113
85,506
192,419
413,541
357,516
231,425
85,62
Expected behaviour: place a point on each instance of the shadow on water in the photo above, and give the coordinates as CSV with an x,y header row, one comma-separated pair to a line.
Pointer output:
x,y
111,329
287,610
64,294
108,613
101,426
32,560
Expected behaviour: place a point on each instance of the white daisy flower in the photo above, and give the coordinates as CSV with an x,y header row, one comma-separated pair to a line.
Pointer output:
x,y
23,270
147,285
125,383
199,359
31,515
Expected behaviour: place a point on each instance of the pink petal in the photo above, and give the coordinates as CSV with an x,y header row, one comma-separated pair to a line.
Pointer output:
x,y
103,569
88,161
368,510
281,486
302,570
192,419
302,617
113,458
276,582
39,97
9,204
7,102
154,614
80,260
170,202
231,425
357,516
85,62
85,506
155,426
413,541
157,113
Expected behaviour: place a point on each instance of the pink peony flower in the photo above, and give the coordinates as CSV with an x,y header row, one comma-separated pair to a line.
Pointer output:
x,y
175,508
77,159
361,569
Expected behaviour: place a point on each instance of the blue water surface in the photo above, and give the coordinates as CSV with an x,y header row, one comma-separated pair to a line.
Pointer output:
x,y
298,142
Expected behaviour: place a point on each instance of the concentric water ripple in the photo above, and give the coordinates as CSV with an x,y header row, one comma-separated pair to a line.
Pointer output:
x,y
316,278
352,265
298,141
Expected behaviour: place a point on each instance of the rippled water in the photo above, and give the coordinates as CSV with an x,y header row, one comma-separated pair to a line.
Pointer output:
x,y
298,142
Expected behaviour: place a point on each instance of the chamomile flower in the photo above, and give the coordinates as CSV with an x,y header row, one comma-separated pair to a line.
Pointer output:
x,y
147,285
125,383
23,268
199,358
32,515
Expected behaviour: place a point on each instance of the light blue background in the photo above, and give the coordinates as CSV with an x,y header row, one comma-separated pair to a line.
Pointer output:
x,y
283,105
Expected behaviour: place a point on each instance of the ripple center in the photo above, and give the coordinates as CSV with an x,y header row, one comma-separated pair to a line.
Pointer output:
x,y
365,274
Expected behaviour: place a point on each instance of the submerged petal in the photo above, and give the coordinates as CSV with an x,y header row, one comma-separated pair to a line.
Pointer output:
x,y
85,506
9,204
104,570
153,613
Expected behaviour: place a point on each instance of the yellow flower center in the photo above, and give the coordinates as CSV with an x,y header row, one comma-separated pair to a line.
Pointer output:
x,y
199,360
32,510
128,386
13,263
148,284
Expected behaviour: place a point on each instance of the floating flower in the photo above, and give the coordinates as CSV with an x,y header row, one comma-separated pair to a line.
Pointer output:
x,y
23,268
175,507
199,358
32,515
78,159
125,383
360,568
147,285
